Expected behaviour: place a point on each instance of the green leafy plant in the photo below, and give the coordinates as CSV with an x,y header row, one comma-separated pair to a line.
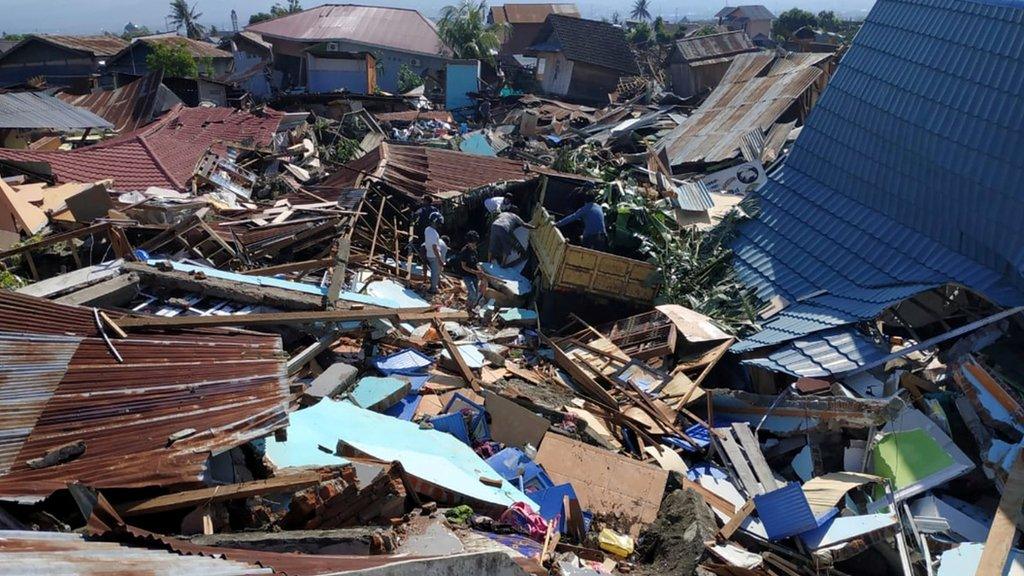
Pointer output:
x,y
407,79
463,28
174,59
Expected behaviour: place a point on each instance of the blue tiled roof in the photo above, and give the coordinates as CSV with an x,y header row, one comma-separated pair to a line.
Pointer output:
x,y
905,177
826,354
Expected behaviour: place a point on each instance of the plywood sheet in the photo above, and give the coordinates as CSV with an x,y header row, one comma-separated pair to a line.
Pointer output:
x,y
512,424
623,490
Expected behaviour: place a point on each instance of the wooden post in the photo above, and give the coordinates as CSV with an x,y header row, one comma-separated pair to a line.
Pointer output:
x,y
376,228
394,228
1003,532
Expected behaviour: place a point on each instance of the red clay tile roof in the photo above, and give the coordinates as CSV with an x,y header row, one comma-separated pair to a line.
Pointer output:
x,y
162,154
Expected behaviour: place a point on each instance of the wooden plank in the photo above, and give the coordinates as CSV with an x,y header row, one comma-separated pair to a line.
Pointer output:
x,y
304,266
756,457
738,461
305,317
460,362
1003,532
341,254
733,524
190,498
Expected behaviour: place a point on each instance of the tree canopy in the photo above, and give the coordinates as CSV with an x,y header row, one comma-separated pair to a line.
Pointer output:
x,y
182,16
464,30
174,59
641,10
792,20
828,21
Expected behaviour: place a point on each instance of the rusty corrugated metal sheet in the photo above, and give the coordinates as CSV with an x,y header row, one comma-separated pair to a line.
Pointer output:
x,y
105,45
419,171
742,102
46,553
228,386
129,107
531,13
714,45
400,29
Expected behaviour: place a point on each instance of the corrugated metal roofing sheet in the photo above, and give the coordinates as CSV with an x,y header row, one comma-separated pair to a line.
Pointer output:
x,y
164,154
418,171
714,45
785,512
742,101
905,177
531,13
228,386
48,553
694,196
129,107
830,353
105,45
197,48
35,110
397,28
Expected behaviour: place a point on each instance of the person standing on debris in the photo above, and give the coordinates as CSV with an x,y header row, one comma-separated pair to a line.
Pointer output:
x,y
432,248
592,215
484,112
469,268
503,240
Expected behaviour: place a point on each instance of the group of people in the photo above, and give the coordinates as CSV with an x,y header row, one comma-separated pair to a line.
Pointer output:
x,y
503,247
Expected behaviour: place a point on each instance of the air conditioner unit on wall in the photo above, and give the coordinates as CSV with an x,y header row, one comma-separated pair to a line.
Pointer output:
x,y
333,47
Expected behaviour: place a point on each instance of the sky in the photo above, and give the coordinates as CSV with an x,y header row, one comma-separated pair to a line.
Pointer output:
x,y
97,16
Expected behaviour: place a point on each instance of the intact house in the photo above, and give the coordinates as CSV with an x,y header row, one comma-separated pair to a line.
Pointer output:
x,y
253,63
331,70
697,64
522,23
755,20
395,37
68,61
809,39
211,61
581,60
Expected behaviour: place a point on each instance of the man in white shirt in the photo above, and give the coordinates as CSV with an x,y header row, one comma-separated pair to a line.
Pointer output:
x,y
432,246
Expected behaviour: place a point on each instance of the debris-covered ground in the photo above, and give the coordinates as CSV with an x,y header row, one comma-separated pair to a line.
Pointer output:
x,y
634,330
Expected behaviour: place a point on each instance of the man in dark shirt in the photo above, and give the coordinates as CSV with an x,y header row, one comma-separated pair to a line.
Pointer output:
x,y
503,239
469,268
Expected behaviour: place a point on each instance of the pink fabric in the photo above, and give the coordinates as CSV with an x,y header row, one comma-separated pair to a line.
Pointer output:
x,y
525,521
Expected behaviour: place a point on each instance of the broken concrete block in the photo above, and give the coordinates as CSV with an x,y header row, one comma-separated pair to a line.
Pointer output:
x,y
337,377
379,394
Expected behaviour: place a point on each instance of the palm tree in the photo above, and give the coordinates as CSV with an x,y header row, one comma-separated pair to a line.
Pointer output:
x,y
182,15
640,10
464,30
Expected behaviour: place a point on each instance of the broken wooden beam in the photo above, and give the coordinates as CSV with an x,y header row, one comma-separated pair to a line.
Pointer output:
x,y
1003,532
191,498
453,351
233,290
302,317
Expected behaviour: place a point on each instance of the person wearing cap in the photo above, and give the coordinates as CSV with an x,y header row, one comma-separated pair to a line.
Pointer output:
x,y
468,267
432,248
592,216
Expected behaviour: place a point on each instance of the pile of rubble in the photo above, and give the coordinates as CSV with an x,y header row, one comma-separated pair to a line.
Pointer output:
x,y
255,341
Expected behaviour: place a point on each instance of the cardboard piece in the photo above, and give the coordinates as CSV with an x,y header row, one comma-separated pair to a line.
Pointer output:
x,y
91,203
17,214
825,492
616,487
513,425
